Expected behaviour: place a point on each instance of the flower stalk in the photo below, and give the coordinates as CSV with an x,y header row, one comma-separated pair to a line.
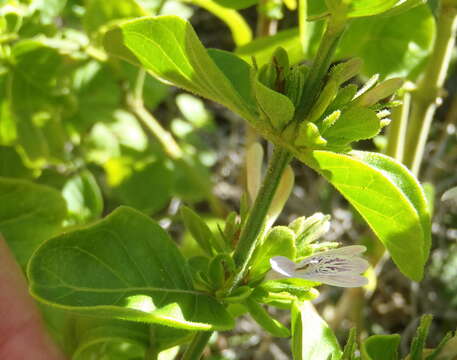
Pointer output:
x,y
427,97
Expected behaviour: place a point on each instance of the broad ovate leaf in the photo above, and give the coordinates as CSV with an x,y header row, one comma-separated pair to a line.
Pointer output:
x,y
29,214
311,336
381,347
390,46
168,47
387,196
125,267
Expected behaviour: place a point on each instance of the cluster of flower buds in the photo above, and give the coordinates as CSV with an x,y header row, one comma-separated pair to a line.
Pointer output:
x,y
341,113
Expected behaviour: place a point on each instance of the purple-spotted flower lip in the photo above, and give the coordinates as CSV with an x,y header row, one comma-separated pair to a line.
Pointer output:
x,y
338,267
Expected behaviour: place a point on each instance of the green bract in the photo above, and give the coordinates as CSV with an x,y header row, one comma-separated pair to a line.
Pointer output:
x,y
103,271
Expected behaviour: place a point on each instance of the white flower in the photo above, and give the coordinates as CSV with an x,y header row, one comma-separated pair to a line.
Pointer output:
x,y
337,267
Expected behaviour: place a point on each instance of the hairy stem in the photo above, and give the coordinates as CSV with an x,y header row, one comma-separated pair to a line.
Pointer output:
x,y
427,97
397,129
197,345
321,64
256,218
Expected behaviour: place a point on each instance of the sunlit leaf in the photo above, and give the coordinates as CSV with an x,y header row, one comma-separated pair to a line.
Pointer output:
x,y
387,196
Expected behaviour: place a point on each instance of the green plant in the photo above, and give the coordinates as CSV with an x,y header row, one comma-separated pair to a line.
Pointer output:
x,y
76,108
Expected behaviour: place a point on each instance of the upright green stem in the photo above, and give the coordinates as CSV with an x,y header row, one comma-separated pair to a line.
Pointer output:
x,y
197,345
256,218
397,129
324,56
427,97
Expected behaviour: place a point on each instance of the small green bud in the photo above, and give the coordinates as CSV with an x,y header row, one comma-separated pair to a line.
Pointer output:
x,y
329,121
383,113
267,75
346,70
309,136
368,85
295,80
281,60
384,122
344,97
232,226
312,228
381,91
325,98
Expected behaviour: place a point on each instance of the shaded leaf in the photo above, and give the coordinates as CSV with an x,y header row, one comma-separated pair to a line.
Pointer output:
x,y
29,214
141,275
392,46
381,347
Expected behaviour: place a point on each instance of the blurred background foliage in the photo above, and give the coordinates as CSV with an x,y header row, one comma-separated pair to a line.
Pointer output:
x,y
90,132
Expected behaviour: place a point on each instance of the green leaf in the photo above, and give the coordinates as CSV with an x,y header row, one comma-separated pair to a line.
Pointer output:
x,y
236,4
351,346
97,94
103,339
261,316
199,230
239,28
33,91
381,347
146,186
387,196
311,336
84,198
29,215
392,46
168,47
11,164
436,353
263,48
418,343
355,124
359,8
100,12
279,241
237,72
141,275
276,107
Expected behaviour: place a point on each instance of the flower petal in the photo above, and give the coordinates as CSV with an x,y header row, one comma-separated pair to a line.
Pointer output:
x,y
342,280
283,266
